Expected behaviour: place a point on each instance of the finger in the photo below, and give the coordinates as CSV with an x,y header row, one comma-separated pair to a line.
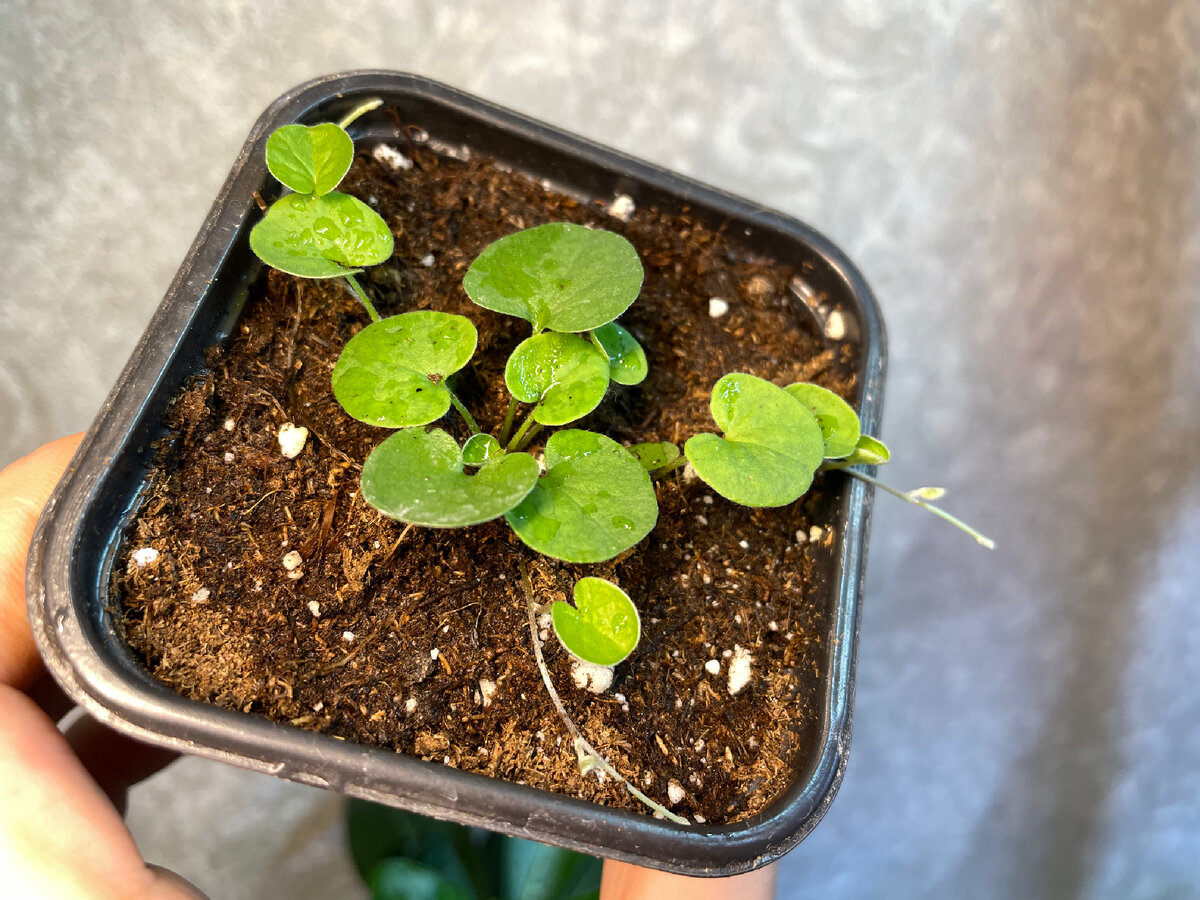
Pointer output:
x,y
59,835
116,762
50,698
25,486
622,881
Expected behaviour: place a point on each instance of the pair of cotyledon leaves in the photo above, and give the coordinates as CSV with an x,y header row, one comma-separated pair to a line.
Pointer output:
x,y
317,232
775,439
594,501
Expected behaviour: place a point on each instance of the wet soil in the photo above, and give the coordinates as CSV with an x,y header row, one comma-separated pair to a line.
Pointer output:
x,y
388,632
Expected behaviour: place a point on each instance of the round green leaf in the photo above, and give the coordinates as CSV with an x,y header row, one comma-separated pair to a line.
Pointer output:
x,y
321,237
481,448
559,277
870,452
602,627
838,420
655,454
417,476
563,374
392,373
772,444
625,355
594,501
310,159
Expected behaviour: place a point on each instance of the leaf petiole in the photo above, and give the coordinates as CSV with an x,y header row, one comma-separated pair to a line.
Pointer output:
x,y
511,414
360,110
462,411
362,297
515,443
914,498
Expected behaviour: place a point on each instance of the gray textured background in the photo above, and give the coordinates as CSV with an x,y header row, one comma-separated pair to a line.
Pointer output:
x,y
1019,184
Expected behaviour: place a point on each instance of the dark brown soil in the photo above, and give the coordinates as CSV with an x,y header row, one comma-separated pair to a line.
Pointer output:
x,y
386,635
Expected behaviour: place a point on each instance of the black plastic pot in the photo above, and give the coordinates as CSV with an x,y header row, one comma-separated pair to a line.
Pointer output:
x,y
79,533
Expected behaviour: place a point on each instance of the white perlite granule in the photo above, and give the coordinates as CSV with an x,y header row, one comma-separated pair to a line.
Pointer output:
x,y
293,562
622,207
589,676
314,607
487,690
202,595
144,556
713,667
390,156
717,307
675,792
740,669
291,439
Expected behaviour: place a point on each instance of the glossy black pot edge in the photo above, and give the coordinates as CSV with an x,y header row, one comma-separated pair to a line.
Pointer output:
x,y
70,561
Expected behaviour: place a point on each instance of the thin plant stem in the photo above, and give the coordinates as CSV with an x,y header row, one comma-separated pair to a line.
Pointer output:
x,y
511,414
525,426
588,755
462,411
361,110
529,436
916,501
362,297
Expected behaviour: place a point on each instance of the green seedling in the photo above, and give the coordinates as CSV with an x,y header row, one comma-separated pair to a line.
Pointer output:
x,y
317,232
562,373
602,627
656,456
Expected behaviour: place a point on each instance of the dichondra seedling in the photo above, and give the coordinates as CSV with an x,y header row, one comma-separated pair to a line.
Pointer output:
x,y
591,498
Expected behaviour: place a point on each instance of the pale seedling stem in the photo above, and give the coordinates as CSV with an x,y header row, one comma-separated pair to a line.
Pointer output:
x,y
462,411
511,414
360,110
937,511
362,297
589,757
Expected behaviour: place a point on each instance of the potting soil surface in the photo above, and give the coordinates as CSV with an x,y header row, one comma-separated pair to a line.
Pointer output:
x,y
416,639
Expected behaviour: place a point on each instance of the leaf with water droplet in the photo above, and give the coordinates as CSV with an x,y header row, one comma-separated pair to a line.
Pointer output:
x,y
310,159
417,476
563,374
602,627
838,420
594,501
480,449
392,373
560,277
627,359
655,454
772,444
321,237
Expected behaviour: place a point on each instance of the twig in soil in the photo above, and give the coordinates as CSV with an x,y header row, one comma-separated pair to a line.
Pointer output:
x,y
589,757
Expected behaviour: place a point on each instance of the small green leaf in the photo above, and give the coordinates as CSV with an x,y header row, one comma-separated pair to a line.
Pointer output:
x,y
838,420
562,373
595,500
310,160
655,454
560,277
625,355
480,449
321,237
869,452
602,627
402,879
772,444
392,373
417,476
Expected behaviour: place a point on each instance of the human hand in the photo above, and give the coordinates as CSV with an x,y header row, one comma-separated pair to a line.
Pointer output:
x,y
61,836
622,881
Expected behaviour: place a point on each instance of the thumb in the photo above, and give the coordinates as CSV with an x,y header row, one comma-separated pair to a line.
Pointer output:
x,y
25,486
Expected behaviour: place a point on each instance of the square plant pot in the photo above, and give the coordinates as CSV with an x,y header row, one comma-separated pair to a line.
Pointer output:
x,y
80,533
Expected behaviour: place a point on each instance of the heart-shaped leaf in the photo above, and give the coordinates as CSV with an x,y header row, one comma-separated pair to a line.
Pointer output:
x,y
417,476
392,372
838,420
772,444
595,500
480,449
321,237
626,357
602,627
310,159
563,374
655,454
560,277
